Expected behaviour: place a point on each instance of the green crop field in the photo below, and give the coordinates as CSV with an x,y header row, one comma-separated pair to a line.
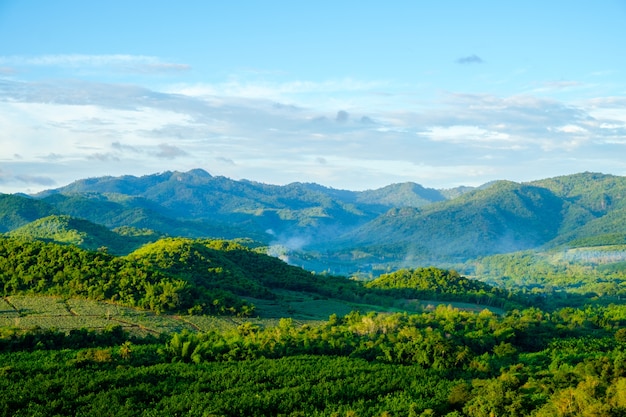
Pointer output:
x,y
31,311
47,312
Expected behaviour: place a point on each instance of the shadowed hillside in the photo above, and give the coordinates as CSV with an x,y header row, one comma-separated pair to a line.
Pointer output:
x,y
16,211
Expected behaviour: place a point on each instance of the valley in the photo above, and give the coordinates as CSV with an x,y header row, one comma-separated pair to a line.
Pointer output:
x,y
184,293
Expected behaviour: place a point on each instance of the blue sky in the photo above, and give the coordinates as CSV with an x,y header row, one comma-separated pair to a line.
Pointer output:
x,y
353,94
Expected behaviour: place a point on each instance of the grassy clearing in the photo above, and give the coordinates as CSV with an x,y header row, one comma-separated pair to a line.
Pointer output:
x,y
206,323
300,306
31,311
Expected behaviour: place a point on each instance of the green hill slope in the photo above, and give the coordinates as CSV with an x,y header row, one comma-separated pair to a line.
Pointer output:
x,y
36,267
406,194
197,195
117,210
83,233
16,211
502,218
236,268
198,276
440,284
221,207
598,193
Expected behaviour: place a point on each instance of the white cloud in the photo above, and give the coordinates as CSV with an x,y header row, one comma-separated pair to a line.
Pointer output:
x,y
284,132
119,62
466,134
248,89
167,151
76,131
571,129
338,93
615,116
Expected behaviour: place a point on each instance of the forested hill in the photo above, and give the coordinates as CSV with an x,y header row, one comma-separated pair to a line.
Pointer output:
x,y
198,195
17,210
197,204
341,231
85,234
440,284
502,218
185,192
196,276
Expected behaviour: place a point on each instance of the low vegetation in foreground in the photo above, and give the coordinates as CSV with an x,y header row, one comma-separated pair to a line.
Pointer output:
x,y
442,363
213,328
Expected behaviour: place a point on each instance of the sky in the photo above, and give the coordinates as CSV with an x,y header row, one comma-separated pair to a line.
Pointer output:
x,y
351,95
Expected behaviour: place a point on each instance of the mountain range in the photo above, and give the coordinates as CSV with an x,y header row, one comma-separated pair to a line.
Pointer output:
x,y
326,229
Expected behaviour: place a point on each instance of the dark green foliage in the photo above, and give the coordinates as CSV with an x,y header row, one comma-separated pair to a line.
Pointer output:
x,y
174,274
100,382
429,280
38,339
16,211
85,234
436,283
203,264
443,339
232,267
35,267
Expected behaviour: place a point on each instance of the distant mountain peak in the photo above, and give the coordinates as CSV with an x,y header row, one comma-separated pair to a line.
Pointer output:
x,y
196,173
199,172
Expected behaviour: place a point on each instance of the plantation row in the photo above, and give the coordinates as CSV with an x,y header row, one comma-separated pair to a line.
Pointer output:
x,y
571,362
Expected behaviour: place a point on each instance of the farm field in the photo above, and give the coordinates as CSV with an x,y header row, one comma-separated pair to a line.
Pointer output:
x,y
30,311
48,312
